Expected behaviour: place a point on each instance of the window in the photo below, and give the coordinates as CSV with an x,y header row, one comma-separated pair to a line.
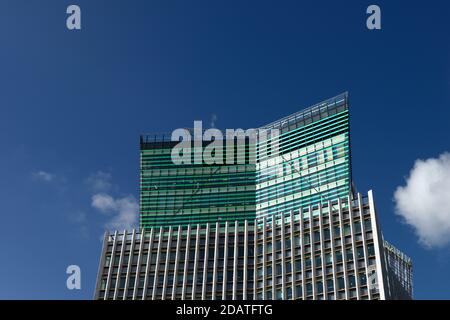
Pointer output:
x,y
279,295
278,269
309,289
367,225
306,239
308,263
298,265
103,284
107,261
362,279
278,245
337,231
289,293
357,227
316,236
319,287
349,254
287,244
122,282
260,272
298,291
371,250
326,234
330,286
351,281
318,261
288,267
346,230
339,256
341,283
131,282
360,252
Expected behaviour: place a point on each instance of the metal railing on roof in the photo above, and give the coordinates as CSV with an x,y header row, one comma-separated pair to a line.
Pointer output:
x,y
317,109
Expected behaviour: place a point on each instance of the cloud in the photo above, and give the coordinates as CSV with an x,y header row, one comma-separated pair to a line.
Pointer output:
x,y
43,176
212,123
424,202
100,181
123,211
103,202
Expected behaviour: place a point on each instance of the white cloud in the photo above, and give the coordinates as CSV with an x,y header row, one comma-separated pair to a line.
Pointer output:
x,y
424,203
100,181
123,211
103,202
43,176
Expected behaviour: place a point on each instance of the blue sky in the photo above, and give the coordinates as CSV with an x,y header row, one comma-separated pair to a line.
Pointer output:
x,y
73,103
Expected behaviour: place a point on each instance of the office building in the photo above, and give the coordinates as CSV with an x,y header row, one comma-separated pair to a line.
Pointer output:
x,y
281,221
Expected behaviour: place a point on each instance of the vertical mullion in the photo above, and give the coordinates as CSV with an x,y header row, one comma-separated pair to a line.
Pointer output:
x,y
177,261
158,254
186,262
119,269
293,272
147,266
205,262
245,271
216,262
196,254
366,254
130,263
225,267
139,262
166,267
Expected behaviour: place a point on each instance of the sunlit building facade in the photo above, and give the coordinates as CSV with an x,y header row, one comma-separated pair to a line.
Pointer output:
x,y
326,251
310,165
174,194
280,222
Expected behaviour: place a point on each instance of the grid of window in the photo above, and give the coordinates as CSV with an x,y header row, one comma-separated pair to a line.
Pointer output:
x,y
313,164
326,251
318,255
174,194
399,271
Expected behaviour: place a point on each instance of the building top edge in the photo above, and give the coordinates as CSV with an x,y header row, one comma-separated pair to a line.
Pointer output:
x,y
305,113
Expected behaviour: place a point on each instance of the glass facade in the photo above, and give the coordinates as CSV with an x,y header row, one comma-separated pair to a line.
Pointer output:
x,y
275,219
311,165
182,194
313,162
